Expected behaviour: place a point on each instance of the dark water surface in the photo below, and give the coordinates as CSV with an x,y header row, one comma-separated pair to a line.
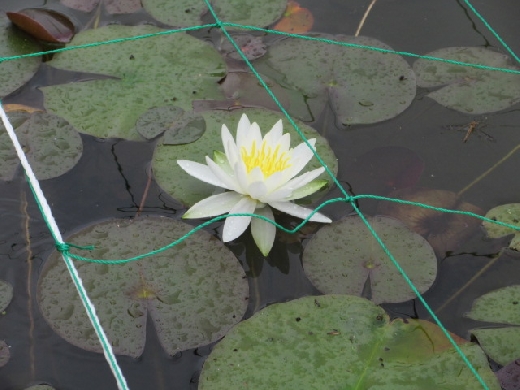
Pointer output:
x,y
111,177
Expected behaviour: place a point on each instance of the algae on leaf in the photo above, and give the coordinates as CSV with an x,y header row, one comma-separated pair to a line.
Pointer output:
x,y
339,342
172,69
506,213
177,288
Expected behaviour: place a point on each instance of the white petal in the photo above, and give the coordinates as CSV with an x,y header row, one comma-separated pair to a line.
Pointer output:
x,y
229,181
229,143
222,161
250,136
298,211
257,190
214,205
235,226
284,142
273,135
241,176
201,172
263,232
307,189
232,153
303,179
302,154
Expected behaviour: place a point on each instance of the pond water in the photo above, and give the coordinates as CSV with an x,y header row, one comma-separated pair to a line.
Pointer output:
x,y
426,145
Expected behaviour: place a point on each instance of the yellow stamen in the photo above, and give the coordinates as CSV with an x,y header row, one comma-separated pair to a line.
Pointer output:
x,y
269,160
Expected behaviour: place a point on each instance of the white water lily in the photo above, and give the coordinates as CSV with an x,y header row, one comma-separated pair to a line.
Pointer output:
x,y
257,172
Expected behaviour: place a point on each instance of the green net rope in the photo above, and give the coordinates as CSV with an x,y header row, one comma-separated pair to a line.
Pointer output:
x,y
66,247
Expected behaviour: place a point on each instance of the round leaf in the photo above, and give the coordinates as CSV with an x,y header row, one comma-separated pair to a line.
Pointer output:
x,y
343,256
177,288
6,294
364,86
503,307
52,146
14,74
157,120
149,73
190,190
507,213
338,342
466,89
184,13
5,355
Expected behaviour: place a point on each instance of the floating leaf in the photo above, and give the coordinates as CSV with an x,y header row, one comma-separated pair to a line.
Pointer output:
x,y
296,20
509,376
188,128
253,47
112,6
157,120
51,145
6,294
150,73
364,86
338,342
5,355
467,89
15,73
503,307
343,256
177,288
444,231
44,24
184,13
507,213
190,190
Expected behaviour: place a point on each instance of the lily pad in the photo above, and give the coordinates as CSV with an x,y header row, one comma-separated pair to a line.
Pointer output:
x,y
467,89
444,231
15,73
112,6
364,86
5,355
343,256
147,73
507,213
500,307
177,288
52,145
184,13
509,376
190,190
6,294
338,342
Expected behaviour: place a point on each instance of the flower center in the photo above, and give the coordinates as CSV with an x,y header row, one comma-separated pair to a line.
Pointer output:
x,y
269,160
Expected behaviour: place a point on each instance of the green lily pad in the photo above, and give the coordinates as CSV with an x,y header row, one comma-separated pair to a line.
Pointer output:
x,y
15,73
343,256
500,307
339,342
112,6
52,145
5,355
190,190
507,213
177,288
6,294
364,86
467,89
147,73
184,13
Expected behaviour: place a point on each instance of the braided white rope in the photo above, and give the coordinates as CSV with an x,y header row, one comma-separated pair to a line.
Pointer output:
x,y
51,223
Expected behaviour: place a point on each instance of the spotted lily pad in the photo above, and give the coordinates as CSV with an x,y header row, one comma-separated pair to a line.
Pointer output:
x,y
6,294
507,213
469,89
147,73
190,190
188,13
501,306
15,73
177,288
52,145
343,256
339,342
364,86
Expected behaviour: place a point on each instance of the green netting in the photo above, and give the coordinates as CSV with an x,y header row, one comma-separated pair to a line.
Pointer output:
x,y
65,248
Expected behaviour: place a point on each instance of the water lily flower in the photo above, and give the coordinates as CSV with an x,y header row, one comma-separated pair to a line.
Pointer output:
x,y
258,172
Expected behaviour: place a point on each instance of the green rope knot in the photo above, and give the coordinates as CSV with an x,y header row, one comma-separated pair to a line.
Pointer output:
x,y
64,247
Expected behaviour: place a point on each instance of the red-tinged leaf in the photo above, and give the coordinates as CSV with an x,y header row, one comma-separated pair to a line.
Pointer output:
x,y
45,25
296,20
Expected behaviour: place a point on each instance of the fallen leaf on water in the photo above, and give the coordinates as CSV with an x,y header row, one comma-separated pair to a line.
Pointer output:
x,y
296,20
46,25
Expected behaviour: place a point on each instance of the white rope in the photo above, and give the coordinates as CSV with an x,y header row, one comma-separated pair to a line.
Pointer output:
x,y
51,223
